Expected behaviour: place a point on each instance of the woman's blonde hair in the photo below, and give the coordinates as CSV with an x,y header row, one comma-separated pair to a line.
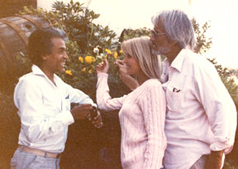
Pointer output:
x,y
140,49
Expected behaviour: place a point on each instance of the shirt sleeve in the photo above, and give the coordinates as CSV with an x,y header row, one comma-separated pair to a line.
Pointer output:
x,y
104,100
36,124
153,107
77,96
219,107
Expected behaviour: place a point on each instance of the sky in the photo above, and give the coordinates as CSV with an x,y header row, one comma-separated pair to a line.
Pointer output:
x,y
222,15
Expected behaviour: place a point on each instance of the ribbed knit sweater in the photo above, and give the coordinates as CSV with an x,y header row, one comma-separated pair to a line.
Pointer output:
x,y
142,118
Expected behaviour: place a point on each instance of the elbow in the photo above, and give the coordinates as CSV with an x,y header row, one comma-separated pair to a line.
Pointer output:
x,y
102,106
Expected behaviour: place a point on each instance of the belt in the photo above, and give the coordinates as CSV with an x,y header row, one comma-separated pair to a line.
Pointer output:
x,y
39,152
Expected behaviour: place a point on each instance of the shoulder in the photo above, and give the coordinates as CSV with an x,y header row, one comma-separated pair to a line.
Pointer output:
x,y
198,63
150,89
150,85
197,59
152,82
28,78
28,83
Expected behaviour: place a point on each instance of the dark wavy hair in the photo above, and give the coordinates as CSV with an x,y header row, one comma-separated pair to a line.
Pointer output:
x,y
40,43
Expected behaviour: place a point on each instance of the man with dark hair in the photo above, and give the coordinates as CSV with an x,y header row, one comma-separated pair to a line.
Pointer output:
x,y
43,101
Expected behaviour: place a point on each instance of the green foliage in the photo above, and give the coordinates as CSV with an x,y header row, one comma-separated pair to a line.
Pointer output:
x,y
78,23
228,80
88,44
84,36
131,33
9,127
229,164
203,43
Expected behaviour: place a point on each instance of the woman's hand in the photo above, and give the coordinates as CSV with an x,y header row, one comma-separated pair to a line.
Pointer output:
x,y
97,121
126,78
103,67
121,68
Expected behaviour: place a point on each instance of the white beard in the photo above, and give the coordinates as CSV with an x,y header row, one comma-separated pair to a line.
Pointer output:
x,y
160,50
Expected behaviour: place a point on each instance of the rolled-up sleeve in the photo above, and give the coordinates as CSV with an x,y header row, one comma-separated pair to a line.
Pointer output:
x,y
219,107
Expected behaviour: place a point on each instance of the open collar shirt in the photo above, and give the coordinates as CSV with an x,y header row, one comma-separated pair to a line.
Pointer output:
x,y
201,115
44,110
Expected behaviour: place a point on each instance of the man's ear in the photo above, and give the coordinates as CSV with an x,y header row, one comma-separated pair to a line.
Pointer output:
x,y
44,57
174,42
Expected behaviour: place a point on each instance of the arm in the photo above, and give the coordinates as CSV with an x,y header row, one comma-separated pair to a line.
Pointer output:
x,y
215,160
153,106
127,79
85,107
38,121
85,103
103,97
77,96
220,110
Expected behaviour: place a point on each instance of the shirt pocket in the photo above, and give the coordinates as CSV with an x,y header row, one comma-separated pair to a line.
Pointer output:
x,y
66,103
174,97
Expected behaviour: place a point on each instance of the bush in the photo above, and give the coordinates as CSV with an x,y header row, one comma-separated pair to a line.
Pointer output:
x,y
88,44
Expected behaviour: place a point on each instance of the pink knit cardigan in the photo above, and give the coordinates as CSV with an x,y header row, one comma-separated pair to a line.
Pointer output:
x,y
142,118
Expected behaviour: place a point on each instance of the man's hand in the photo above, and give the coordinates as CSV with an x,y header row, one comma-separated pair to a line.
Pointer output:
x,y
214,160
81,111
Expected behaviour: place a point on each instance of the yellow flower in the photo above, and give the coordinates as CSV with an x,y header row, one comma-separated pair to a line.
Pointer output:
x,y
120,51
90,71
93,59
115,55
81,59
68,72
108,51
84,69
90,59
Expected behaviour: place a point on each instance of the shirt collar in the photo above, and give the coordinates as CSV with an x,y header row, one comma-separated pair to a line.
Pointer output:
x,y
178,60
36,70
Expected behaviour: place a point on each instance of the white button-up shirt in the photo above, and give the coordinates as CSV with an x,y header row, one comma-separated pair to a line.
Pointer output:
x,y
44,110
201,115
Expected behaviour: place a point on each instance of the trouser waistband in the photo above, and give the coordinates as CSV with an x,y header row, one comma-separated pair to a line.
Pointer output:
x,y
39,152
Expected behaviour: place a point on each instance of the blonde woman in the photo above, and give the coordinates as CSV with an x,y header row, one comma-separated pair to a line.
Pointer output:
x,y
142,112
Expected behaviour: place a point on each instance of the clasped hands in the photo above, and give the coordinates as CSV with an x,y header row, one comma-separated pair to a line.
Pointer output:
x,y
83,111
